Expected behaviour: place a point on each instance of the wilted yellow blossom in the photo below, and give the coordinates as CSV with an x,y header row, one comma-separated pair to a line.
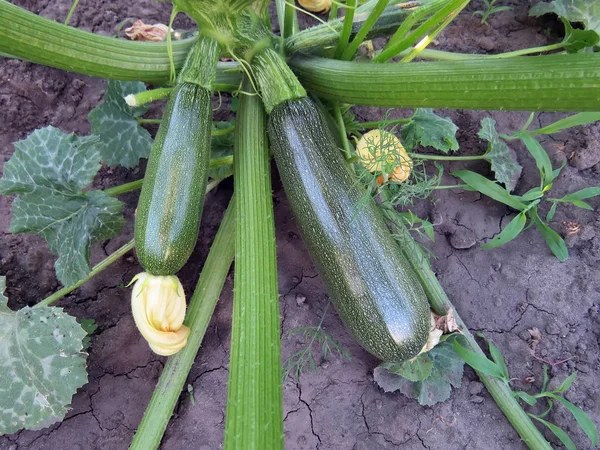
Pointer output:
x,y
158,306
381,151
320,6
140,31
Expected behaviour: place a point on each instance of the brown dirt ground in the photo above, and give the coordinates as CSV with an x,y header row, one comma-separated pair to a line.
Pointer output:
x,y
501,292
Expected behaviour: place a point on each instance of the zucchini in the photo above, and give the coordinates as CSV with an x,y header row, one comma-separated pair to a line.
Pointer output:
x,y
372,285
170,204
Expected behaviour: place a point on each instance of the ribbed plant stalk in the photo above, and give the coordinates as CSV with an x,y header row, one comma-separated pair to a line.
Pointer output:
x,y
440,304
200,310
277,82
27,36
254,415
537,83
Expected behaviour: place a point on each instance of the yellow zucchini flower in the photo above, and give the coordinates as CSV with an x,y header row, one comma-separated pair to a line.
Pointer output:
x,y
319,6
381,151
158,306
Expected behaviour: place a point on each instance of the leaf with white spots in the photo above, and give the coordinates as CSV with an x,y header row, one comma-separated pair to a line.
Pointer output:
x,y
48,172
502,159
122,140
584,11
429,130
41,365
429,379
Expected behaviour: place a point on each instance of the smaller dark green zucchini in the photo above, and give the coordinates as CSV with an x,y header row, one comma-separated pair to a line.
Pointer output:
x,y
170,205
371,284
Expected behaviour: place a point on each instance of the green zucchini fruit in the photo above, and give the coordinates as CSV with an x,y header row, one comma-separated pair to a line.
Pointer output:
x,y
372,286
170,205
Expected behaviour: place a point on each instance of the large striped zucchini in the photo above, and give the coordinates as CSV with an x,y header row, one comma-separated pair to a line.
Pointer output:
x,y
170,205
373,287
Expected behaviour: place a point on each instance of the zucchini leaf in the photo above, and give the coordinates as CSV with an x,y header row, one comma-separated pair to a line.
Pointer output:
x,y
428,379
43,365
429,130
122,140
48,172
585,11
502,159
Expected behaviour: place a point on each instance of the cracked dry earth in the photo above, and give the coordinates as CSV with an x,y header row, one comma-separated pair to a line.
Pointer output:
x,y
501,293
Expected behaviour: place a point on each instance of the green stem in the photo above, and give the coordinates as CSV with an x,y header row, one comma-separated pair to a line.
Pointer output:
x,y
200,65
327,35
432,34
440,303
137,184
451,186
71,11
199,313
254,414
39,40
288,19
95,271
222,131
381,123
124,188
521,84
277,82
364,29
142,121
445,158
346,29
450,8
342,129
141,98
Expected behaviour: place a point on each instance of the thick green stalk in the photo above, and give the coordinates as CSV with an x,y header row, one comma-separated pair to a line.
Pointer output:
x,y
254,416
199,313
95,271
277,82
536,83
33,38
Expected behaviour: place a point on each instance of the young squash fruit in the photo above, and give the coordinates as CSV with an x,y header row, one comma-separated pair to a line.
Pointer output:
x,y
372,286
170,205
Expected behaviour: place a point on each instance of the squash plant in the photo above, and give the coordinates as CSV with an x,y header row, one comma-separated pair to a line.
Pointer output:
x,y
295,92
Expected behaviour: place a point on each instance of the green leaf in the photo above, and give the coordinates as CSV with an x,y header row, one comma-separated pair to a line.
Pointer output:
x,y
489,188
511,231
568,122
89,326
532,194
584,421
48,172
447,372
529,399
122,140
479,362
576,40
551,212
42,365
413,370
498,358
584,11
581,194
559,433
502,160
542,160
429,130
553,239
565,385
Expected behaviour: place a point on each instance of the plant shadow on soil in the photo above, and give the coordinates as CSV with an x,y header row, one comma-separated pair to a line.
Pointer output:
x,y
501,292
